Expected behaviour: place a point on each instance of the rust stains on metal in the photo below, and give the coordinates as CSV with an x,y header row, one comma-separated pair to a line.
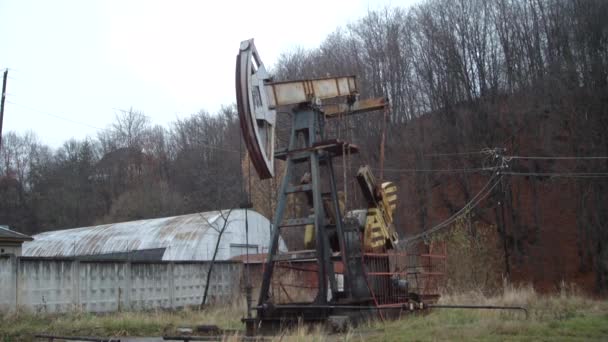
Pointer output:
x,y
186,237
294,92
360,106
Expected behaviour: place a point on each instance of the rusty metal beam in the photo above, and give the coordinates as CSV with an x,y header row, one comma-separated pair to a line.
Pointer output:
x,y
303,91
360,106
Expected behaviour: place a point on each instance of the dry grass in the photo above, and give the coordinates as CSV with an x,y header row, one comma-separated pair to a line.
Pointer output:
x,y
568,315
564,316
475,256
567,301
23,325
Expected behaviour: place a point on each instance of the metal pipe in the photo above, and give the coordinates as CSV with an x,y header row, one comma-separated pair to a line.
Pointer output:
x,y
214,338
320,307
76,338
399,307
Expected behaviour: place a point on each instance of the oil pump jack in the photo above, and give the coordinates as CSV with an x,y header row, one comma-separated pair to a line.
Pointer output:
x,y
358,241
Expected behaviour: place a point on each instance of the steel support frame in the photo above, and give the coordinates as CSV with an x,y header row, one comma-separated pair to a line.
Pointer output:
x,y
308,123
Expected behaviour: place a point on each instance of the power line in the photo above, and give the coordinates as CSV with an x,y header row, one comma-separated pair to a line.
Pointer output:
x,y
129,111
483,151
472,204
57,116
447,154
199,144
465,170
482,194
560,174
556,157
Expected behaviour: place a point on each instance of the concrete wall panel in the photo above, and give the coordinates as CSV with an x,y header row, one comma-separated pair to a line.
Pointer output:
x,y
45,286
61,285
7,282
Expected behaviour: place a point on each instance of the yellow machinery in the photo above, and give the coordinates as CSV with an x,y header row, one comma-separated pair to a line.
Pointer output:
x,y
379,233
379,229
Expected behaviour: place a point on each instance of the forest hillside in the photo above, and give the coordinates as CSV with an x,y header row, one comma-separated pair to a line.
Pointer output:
x,y
498,113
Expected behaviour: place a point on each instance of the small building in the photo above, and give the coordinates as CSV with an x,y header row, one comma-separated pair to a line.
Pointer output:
x,y
178,238
11,241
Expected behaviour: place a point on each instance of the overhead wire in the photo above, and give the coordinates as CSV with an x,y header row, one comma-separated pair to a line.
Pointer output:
x,y
496,179
472,204
556,157
199,144
563,174
486,151
447,154
560,174
465,170
482,194
56,116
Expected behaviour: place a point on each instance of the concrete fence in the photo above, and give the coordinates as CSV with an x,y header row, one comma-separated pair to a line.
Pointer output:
x,y
66,284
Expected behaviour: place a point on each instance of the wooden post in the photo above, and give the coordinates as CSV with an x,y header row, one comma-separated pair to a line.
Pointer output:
x,y
2,104
384,118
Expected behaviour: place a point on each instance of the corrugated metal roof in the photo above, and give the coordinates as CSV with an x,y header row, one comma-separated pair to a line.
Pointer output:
x,y
186,237
7,234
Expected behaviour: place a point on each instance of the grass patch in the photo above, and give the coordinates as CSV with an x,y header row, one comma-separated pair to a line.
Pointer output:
x,y
23,325
566,316
482,326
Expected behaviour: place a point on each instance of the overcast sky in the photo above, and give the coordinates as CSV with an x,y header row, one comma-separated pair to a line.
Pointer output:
x,y
74,64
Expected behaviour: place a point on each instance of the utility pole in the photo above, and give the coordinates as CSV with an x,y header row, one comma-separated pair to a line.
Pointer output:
x,y
2,104
500,215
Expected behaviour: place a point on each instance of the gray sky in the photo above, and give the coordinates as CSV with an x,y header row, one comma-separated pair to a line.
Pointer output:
x,y
84,61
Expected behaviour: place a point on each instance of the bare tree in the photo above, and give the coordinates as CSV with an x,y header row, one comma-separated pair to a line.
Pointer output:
x,y
220,232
